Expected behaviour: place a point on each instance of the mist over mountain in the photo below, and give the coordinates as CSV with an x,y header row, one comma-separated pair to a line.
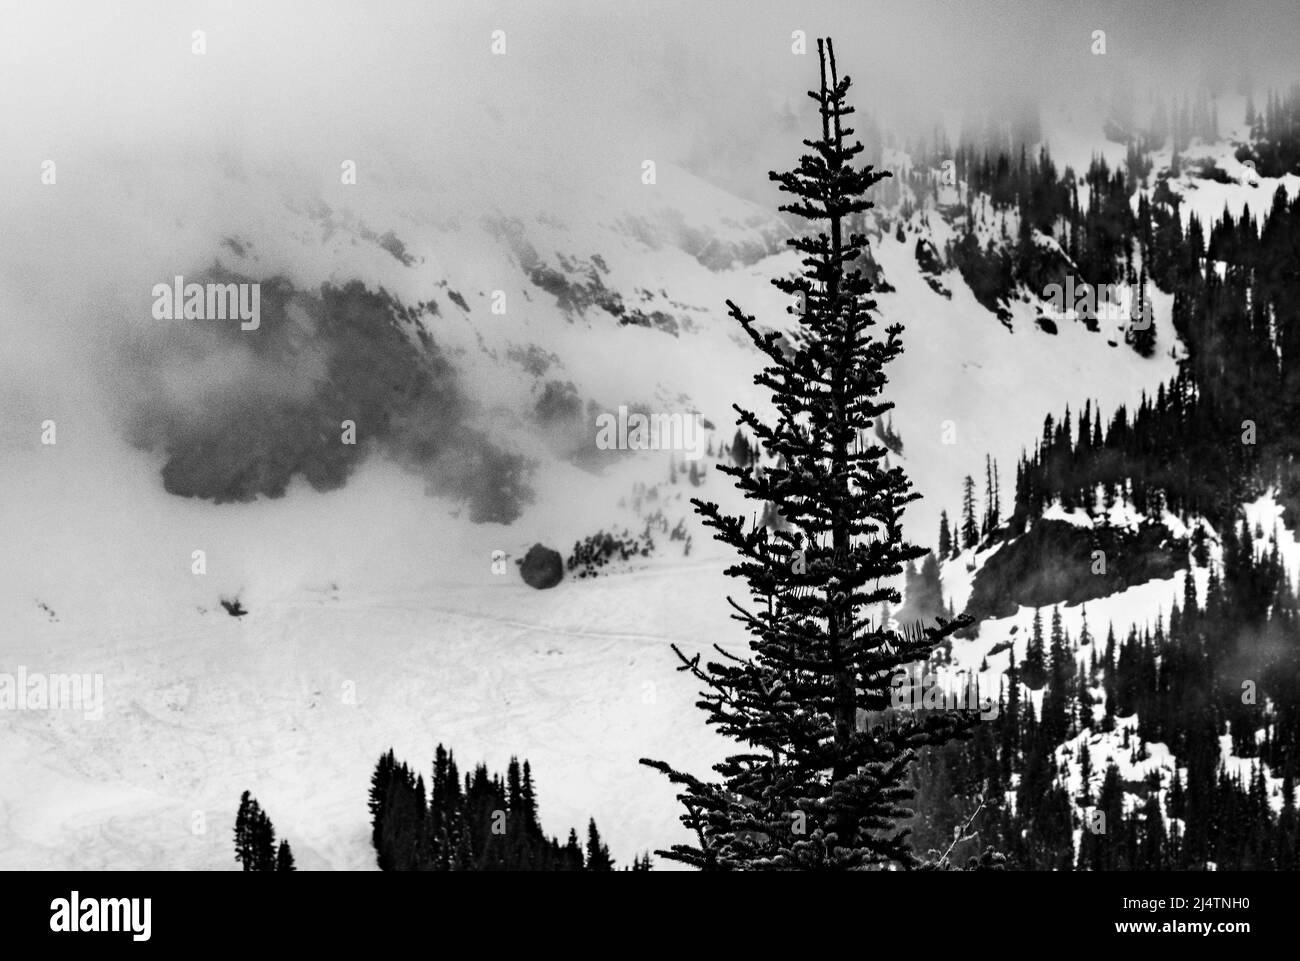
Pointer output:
x,y
381,515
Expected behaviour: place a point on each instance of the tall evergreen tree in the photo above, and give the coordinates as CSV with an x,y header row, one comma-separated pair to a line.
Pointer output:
x,y
970,531
1056,707
991,507
598,858
812,787
244,821
379,782
1034,669
254,836
263,842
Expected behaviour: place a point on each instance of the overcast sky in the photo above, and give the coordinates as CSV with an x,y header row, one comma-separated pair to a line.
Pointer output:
x,y
282,79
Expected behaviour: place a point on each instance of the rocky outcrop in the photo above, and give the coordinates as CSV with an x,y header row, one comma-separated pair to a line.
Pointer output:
x,y
1057,562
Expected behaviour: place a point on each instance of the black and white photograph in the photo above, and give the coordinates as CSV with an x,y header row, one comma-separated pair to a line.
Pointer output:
x,y
650,437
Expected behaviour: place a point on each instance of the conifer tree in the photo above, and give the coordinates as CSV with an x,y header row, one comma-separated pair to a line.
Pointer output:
x,y
991,506
263,842
572,853
945,536
528,797
284,858
970,531
1085,773
1284,856
598,858
398,827
1034,669
379,781
254,836
244,820
1056,700
1010,729
812,786
1062,657
1141,333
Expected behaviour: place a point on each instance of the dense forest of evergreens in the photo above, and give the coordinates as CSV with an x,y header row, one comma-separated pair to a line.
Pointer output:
x,y
1227,667
1224,669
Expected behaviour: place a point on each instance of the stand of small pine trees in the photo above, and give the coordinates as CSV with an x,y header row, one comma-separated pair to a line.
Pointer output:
x,y
255,839
602,548
483,823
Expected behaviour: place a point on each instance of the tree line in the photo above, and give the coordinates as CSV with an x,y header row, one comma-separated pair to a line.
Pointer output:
x,y
482,823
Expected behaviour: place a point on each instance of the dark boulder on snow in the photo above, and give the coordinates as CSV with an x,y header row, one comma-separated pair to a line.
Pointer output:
x,y
542,567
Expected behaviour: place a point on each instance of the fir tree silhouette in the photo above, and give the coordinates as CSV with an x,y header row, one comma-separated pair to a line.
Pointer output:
x,y
813,786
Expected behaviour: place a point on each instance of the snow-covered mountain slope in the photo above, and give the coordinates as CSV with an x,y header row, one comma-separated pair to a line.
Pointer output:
x,y
384,587
296,701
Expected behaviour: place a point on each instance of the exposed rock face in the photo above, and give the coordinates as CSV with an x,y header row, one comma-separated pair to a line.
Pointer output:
x,y
927,258
331,375
1056,563
542,567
